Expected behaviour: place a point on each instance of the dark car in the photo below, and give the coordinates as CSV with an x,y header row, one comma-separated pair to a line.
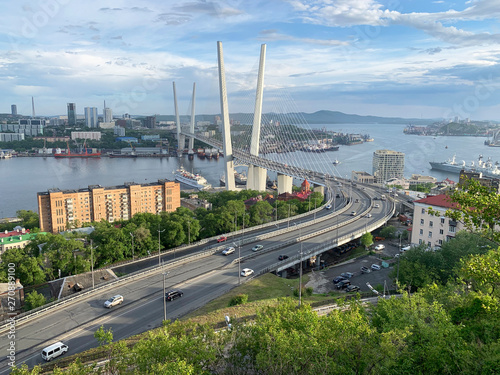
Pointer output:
x,y
347,275
338,279
283,257
173,294
343,284
352,288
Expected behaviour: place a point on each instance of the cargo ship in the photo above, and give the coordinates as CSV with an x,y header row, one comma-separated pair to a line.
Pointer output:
x,y
84,154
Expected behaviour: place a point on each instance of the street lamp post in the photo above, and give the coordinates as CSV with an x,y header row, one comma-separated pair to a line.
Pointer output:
x,y
92,262
189,232
300,272
131,235
289,215
399,256
159,253
164,298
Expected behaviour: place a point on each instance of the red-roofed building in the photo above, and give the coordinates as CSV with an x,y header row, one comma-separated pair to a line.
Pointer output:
x,y
430,229
18,238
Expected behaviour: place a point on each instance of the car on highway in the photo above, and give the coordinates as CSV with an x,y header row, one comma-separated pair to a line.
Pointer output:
x,y
368,215
246,272
343,284
375,267
380,247
365,270
228,250
353,213
113,301
338,279
173,294
221,239
376,205
352,288
328,206
347,275
54,350
283,257
257,247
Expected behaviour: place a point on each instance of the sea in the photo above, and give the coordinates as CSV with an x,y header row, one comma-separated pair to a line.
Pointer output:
x,y
21,178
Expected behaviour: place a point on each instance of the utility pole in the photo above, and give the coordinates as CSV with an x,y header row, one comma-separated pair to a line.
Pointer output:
x,y
159,231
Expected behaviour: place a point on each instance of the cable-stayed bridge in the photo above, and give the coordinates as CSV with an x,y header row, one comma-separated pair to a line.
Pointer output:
x,y
282,144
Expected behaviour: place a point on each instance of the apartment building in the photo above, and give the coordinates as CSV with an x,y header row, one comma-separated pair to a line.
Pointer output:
x,y
430,229
388,164
59,209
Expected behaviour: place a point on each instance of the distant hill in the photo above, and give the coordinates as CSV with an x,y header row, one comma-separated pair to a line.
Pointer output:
x,y
319,117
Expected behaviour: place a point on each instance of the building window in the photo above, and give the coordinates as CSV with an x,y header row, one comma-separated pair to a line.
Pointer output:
x,y
440,242
423,210
452,229
429,244
421,231
421,221
441,231
431,224
420,241
430,234
442,220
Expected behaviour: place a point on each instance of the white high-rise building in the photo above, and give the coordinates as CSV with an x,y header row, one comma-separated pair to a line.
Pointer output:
x,y
91,118
388,164
108,115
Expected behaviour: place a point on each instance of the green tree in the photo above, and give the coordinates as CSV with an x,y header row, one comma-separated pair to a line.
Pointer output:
x,y
366,240
30,219
260,213
27,267
33,300
388,232
103,337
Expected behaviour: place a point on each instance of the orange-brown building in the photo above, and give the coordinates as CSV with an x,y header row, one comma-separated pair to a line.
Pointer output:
x,y
60,208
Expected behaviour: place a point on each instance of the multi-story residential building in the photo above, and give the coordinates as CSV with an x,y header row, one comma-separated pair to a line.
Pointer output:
x,y
108,115
492,183
13,109
91,117
59,209
9,137
86,135
30,127
71,114
150,122
388,164
430,229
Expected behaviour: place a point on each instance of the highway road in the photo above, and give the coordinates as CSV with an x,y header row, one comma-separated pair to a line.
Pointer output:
x,y
201,280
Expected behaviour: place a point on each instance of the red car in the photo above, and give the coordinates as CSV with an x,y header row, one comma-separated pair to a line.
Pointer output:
x,y
222,239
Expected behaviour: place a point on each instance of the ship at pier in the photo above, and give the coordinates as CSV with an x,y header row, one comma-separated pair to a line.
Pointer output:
x,y
194,180
488,168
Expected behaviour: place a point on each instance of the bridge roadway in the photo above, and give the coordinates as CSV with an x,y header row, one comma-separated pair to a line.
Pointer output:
x,y
201,280
245,158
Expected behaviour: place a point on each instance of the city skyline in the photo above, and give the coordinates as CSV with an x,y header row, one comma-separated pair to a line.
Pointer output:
x,y
426,59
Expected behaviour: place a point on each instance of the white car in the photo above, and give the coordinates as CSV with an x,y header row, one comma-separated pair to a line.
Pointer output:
x,y
228,251
380,247
246,272
257,247
113,301
368,215
353,213
376,205
406,248
375,267
328,206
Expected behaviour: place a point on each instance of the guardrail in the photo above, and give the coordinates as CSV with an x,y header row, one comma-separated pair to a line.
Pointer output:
x,y
24,317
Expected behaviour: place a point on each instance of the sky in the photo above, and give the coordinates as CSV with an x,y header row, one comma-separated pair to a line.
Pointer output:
x,y
406,58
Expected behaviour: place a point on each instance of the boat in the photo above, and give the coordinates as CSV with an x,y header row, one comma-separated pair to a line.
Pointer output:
x,y
119,155
487,168
5,155
191,179
336,162
85,154
239,179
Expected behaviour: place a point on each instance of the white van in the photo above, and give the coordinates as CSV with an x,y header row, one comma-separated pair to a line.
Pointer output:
x,y
54,350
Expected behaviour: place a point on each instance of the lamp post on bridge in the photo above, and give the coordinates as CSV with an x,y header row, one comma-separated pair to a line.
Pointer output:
x,y
159,253
132,235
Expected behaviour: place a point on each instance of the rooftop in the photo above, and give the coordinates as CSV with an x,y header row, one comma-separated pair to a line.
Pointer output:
x,y
441,200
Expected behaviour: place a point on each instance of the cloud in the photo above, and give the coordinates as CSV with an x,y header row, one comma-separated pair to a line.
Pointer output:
x,y
273,35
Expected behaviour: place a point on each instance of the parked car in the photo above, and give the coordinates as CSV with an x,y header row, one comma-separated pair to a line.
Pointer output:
x,y
375,267
338,279
328,206
352,288
406,248
347,275
257,247
380,247
283,257
173,294
222,239
228,250
246,272
365,270
343,284
113,301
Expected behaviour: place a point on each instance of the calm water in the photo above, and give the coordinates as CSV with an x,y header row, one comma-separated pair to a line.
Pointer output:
x,y
22,178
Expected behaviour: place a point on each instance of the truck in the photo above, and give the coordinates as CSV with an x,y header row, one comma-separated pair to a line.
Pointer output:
x,y
382,197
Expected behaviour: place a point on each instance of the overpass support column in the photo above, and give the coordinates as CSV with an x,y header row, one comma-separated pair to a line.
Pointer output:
x,y
256,179
319,189
285,183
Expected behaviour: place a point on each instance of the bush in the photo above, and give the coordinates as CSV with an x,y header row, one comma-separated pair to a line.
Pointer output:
x,y
305,292
34,300
240,299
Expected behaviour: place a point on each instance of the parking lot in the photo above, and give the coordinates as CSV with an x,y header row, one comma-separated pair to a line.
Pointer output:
x,y
322,281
